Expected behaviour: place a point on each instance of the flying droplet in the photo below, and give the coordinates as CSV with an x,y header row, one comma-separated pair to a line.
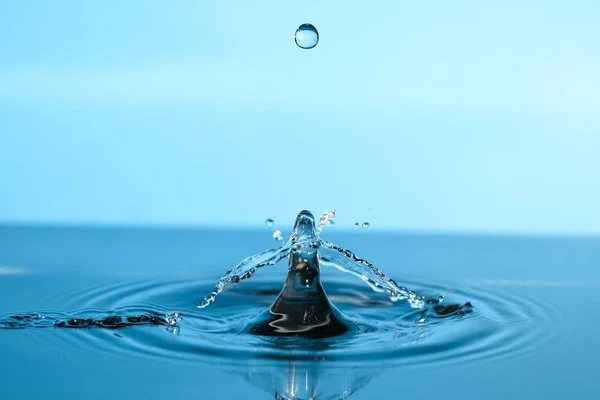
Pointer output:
x,y
278,235
306,36
366,225
440,299
356,224
269,222
327,219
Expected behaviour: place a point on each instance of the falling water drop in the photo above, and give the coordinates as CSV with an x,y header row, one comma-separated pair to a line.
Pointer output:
x,y
306,36
366,225
441,299
269,222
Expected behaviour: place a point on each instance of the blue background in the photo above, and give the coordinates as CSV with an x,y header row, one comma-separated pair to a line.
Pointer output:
x,y
470,115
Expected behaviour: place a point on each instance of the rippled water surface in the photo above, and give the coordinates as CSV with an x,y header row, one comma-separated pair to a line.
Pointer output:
x,y
531,332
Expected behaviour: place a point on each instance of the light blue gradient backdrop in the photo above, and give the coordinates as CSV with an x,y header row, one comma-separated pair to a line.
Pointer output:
x,y
469,115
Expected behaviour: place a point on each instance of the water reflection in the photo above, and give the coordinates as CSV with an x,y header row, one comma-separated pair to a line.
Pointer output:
x,y
313,376
303,380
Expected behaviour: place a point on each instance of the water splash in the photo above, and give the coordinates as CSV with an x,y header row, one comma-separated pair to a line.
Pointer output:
x,y
327,219
278,235
305,237
302,307
346,261
245,270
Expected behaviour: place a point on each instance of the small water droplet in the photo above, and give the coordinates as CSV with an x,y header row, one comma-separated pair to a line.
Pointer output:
x,y
326,219
173,318
356,225
269,222
306,36
440,299
366,225
421,320
278,235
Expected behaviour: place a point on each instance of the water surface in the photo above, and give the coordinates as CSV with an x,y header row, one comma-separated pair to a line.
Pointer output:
x,y
532,333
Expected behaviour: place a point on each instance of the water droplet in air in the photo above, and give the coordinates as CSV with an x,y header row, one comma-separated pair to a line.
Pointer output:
x,y
356,224
278,235
440,299
326,219
269,222
306,36
366,225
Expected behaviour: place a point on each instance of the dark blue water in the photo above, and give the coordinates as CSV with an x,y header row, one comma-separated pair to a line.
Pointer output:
x,y
532,333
